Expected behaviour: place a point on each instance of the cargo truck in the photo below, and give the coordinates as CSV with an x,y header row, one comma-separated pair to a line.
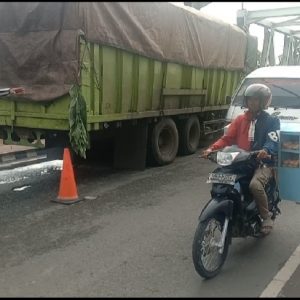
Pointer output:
x,y
153,77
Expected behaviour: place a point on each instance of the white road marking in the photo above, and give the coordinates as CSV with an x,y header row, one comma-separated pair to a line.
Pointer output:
x,y
278,282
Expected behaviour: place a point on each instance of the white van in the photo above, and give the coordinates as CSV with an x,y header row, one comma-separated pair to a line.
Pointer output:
x,y
284,82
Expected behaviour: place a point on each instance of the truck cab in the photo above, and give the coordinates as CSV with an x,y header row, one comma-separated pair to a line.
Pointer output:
x,y
284,82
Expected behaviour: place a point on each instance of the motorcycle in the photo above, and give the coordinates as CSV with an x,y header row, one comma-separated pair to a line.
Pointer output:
x,y
232,211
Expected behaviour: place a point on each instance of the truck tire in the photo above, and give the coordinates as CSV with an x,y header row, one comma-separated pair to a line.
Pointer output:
x,y
164,142
189,135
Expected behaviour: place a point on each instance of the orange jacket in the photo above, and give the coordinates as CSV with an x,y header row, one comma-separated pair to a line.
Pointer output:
x,y
237,134
266,134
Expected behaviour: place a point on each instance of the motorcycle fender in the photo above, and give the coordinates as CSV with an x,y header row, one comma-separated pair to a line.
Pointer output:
x,y
216,206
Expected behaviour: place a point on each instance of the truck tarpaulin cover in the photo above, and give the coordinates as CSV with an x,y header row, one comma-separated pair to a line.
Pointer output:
x,y
39,41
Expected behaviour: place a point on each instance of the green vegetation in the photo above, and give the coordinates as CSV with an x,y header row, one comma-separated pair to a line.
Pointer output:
x,y
78,122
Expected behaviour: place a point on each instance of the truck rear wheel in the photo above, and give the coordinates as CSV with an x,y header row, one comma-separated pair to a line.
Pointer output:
x,y
164,141
189,135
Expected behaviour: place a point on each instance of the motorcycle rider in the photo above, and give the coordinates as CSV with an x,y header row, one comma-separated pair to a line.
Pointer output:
x,y
255,130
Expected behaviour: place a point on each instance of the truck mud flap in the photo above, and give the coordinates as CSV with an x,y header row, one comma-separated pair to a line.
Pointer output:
x,y
131,147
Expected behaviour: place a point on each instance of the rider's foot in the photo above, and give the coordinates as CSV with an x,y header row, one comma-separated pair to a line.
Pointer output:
x,y
267,226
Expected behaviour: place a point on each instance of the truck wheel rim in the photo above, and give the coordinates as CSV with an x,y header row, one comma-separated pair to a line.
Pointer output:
x,y
166,141
193,136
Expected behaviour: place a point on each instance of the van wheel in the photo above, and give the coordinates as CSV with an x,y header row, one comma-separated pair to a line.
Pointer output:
x,y
189,136
164,142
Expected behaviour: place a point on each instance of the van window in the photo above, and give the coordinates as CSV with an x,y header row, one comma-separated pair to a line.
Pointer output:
x,y
285,91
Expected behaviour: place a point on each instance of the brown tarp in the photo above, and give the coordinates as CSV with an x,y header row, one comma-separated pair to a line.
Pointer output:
x,y
39,40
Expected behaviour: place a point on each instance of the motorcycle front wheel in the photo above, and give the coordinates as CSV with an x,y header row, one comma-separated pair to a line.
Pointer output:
x,y
207,259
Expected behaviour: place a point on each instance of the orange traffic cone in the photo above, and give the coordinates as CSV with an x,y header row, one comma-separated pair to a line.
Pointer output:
x,y
67,189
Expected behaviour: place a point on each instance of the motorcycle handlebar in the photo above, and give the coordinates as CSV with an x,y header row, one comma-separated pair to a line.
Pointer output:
x,y
211,155
255,153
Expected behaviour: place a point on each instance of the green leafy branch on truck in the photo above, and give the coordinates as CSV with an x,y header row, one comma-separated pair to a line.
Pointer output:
x,y
78,122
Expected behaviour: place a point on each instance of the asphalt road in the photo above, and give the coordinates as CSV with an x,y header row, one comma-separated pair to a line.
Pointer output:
x,y
133,240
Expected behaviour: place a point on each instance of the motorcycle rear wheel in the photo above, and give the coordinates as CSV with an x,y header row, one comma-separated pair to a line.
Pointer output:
x,y
206,257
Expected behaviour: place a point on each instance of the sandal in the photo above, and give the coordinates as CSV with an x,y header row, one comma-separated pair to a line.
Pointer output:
x,y
267,226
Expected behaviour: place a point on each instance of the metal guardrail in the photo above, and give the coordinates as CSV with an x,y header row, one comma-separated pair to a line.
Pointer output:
x,y
272,21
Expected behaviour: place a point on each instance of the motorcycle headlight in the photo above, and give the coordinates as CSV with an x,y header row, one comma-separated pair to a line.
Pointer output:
x,y
226,158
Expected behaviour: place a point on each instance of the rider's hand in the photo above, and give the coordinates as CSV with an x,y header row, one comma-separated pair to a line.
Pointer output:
x,y
206,152
262,154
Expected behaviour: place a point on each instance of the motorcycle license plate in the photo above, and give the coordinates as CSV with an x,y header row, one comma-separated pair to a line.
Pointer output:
x,y
221,178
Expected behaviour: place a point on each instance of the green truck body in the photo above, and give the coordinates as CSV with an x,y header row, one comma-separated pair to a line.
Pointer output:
x,y
122,87
118,85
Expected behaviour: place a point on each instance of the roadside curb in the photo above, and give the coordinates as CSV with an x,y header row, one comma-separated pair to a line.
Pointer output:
x,y
276,285
8,157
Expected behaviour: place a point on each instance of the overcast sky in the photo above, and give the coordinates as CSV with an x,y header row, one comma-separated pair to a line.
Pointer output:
x,y
227,12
